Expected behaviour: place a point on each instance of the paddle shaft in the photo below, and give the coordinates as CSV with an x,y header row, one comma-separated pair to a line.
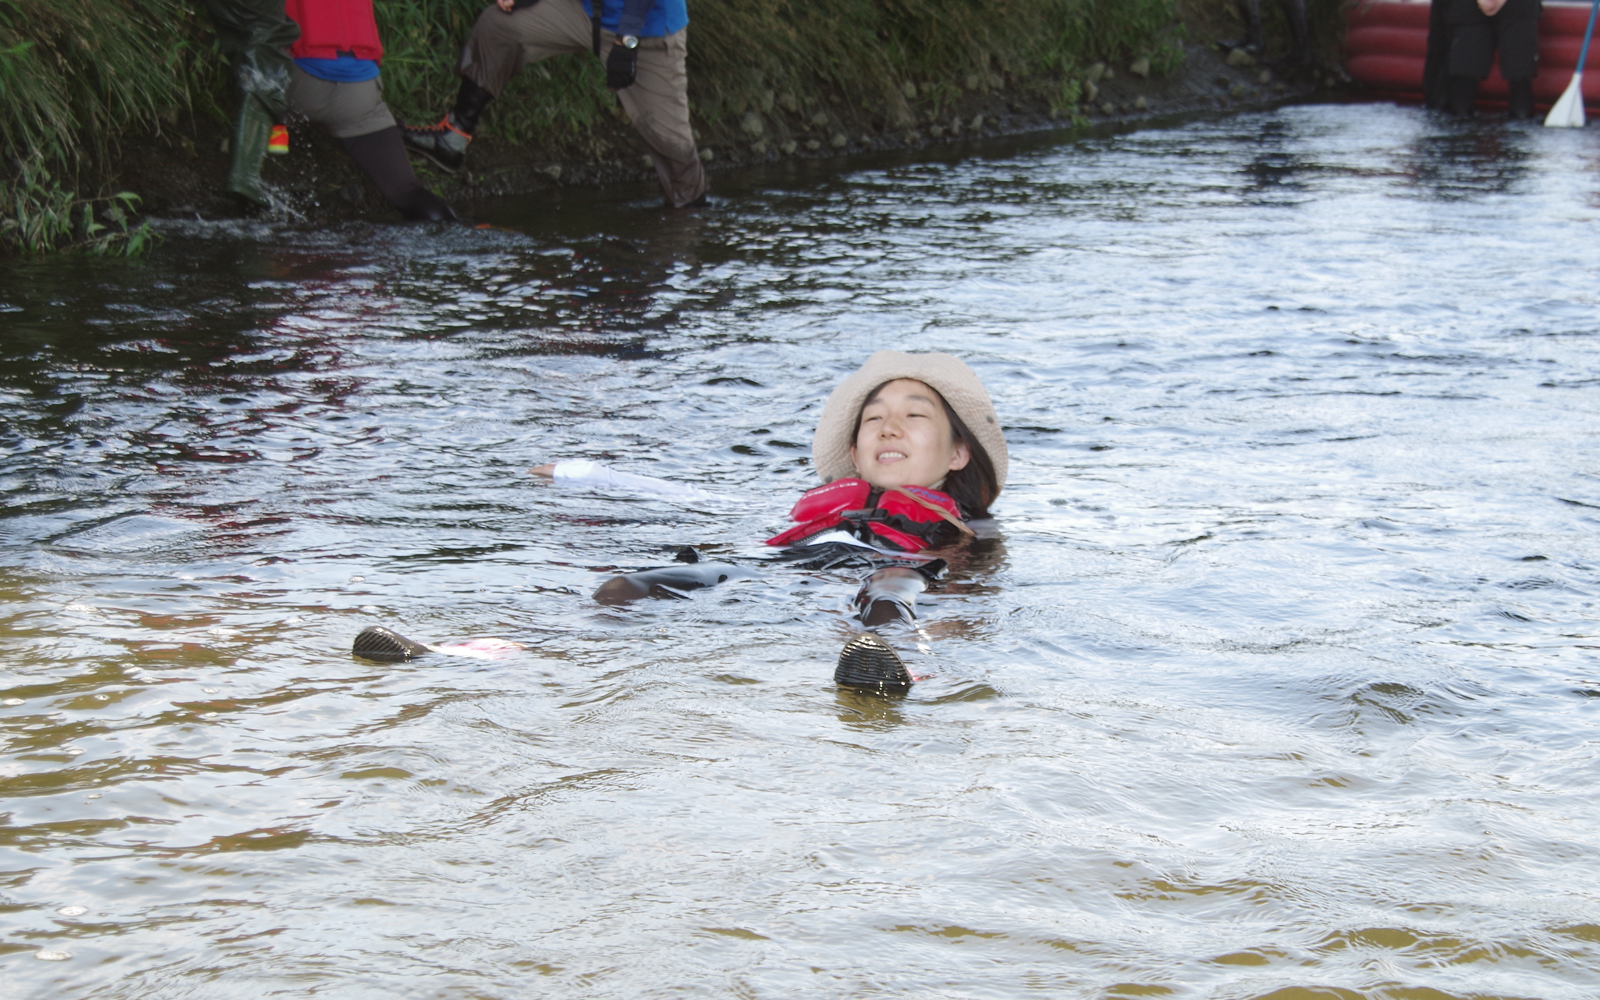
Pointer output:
x,y
1588,33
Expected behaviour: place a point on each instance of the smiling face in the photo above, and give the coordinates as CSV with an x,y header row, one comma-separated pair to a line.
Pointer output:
x,y
904,438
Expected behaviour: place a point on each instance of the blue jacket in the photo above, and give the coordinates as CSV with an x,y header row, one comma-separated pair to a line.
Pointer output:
x,y
660,17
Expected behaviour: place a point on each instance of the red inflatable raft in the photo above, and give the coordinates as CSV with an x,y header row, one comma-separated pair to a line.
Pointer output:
x,y
1388,43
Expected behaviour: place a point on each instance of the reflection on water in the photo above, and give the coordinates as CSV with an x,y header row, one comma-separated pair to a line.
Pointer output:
x,y
1280,681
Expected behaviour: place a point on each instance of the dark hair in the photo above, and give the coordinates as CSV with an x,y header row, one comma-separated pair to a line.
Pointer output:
x,y
973,486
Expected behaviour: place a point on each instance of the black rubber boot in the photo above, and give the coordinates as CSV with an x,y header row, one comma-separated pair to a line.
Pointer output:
x,y
868,664
252,130
1294,11
1521,99
379,643
425,206
471,99
1436,65
1463,96
1254,37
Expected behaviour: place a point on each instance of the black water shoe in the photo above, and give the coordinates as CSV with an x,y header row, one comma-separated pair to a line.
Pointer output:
x,y
379,643
442,144
868,664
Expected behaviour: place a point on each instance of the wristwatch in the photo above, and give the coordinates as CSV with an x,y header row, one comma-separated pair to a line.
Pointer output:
x,y
630,41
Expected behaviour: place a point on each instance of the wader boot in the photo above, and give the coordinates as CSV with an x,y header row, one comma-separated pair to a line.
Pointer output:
x,y
252,130
254,36
1462,96
1436,66
1521,98
382,155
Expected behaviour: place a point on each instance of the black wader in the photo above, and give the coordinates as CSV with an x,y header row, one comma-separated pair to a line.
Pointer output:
x,y
1475,38
254,36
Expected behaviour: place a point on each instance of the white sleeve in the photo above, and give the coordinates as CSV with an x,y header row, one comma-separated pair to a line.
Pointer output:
x,y
586,473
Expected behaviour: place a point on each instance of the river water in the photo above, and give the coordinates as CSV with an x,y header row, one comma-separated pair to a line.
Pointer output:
x,y
1279,680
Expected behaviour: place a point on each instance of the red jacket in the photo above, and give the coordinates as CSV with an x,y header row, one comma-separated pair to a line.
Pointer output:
x,y
329,27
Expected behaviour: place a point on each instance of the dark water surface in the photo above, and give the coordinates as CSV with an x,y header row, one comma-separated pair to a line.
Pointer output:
x,y
1281,680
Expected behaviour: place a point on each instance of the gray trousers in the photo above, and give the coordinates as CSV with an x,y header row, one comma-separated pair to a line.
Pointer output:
x,y
657,104
347,109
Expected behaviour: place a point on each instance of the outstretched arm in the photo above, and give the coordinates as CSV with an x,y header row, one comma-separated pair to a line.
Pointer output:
x,y
594,474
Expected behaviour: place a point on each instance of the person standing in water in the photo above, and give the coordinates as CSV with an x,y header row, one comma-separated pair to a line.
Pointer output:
x,y
909,449
319,59
643,44
254,36
1478,30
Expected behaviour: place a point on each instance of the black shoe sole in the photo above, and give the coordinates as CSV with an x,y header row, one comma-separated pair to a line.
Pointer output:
x,y
868,664
385,645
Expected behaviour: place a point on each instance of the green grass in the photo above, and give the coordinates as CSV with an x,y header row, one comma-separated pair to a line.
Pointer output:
x,y
37,215
76,74
863,51
77,77
80,77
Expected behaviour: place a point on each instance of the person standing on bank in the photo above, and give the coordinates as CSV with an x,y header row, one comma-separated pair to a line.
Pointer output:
x,y
334,82
1480,28
643,46
1294,11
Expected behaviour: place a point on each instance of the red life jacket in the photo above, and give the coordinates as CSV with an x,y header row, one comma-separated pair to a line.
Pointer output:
x,y
329,27
888,518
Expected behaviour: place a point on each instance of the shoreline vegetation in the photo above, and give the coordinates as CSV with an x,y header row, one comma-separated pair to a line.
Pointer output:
x,y
109,106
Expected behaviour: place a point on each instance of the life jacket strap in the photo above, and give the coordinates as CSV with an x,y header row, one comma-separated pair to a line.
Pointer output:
x,y
961,525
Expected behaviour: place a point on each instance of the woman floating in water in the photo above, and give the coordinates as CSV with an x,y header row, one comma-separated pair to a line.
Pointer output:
x,y
909,450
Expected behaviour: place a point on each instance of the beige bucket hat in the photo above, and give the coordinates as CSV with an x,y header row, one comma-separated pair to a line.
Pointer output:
x,y
958,384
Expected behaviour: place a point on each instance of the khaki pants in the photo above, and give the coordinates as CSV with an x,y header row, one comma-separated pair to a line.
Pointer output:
x,y
657,103
347,109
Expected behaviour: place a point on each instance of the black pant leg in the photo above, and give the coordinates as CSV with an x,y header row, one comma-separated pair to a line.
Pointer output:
x,y
1472,48
1519,42
1436,68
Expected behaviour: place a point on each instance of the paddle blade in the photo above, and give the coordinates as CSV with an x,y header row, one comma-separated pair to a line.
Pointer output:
x,y
1568,111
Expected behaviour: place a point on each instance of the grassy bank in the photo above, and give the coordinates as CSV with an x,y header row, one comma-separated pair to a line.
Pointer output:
x,y
80,80
742,51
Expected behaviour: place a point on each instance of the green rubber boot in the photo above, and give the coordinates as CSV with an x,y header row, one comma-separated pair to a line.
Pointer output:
x,y
252,130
